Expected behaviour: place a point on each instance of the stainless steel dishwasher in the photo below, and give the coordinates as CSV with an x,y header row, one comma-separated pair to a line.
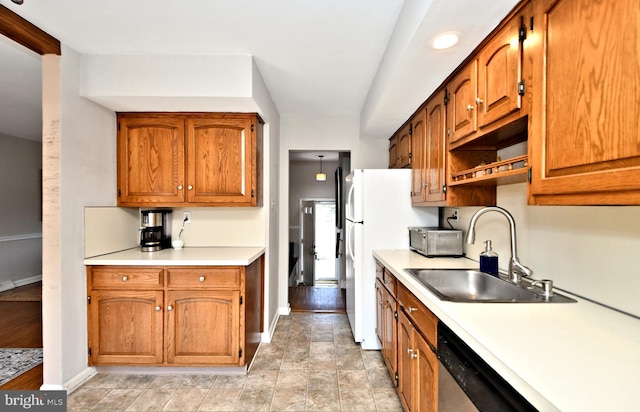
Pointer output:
x,y
467,383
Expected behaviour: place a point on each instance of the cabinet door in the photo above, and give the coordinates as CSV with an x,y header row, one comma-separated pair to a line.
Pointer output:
x,y
584,143
390,338
125,327
222,162
203,327
404,146
436,148
380,313
419,161
405,354
461,110
394,161
150,159
499,71
425,384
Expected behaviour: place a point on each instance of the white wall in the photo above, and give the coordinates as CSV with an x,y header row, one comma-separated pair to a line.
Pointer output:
x,y
20,208
335,133
589,250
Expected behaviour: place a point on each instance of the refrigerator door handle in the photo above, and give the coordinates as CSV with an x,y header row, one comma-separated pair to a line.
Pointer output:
x,y
350,206
351,241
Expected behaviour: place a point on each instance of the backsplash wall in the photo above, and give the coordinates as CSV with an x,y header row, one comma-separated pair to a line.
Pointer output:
x,y
588,250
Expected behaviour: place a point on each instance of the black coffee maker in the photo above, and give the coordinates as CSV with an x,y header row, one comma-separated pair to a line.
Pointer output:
x,y
155,230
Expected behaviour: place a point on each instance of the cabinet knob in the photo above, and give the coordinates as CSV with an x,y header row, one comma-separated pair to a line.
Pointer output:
x,y
158,308
179,187
479,100
410,309
169,308
201,279
189,187
469,108
125,278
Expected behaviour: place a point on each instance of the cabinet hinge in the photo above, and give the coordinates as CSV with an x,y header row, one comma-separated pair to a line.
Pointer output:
x,y
409,155
252,128
531,24
529,175
240,353
521,87
88,300
522,33
444,189
119,193
252,193
89,352
396,376
395,314
241,300
118,126
410,130
446,97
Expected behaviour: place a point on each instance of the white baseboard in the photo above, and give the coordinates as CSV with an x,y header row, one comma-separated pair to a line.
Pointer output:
x,y
285,311
52,388
12,284
268,335
75,382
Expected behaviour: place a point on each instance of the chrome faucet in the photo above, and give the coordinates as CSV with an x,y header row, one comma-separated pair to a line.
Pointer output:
x,y
516,269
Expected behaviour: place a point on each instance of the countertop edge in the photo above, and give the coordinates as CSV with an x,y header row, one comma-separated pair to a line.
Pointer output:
x,y
189,256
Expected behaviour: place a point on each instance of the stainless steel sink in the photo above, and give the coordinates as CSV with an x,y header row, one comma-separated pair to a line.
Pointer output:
x,y
469,285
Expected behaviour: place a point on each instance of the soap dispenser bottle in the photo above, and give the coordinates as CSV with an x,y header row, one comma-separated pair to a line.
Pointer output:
x,y
489,260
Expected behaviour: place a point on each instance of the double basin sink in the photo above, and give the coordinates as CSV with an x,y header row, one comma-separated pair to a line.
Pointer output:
x,y
469,285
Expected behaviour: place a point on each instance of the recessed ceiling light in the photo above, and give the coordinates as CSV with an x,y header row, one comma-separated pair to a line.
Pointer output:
x,y
445,40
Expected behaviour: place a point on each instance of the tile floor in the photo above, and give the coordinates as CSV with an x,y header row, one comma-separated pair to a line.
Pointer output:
x,y
312,364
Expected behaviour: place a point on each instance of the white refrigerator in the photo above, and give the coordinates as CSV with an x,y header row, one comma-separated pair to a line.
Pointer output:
x,y
378,212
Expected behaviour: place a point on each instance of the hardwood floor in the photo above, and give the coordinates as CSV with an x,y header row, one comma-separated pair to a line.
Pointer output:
x,y
317,299
21,327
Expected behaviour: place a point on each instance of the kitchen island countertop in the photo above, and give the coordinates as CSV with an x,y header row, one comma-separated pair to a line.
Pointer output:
x,y
188,256
560,356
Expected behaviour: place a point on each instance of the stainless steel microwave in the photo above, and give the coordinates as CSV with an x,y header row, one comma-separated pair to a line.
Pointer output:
x,y
432,241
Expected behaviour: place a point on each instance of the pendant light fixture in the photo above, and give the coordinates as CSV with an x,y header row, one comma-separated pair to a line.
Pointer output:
x,y
321,177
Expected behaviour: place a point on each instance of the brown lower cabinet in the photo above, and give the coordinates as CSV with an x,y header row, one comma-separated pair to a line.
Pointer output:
x,y
174,316
409,339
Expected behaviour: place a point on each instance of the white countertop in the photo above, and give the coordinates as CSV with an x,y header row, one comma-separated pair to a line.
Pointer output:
x,y
559,356
188,256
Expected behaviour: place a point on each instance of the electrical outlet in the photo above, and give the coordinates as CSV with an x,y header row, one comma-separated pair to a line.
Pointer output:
x,y
454,215
186,217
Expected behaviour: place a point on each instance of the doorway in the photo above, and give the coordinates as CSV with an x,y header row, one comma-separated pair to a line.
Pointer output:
x,y
315,269
317,243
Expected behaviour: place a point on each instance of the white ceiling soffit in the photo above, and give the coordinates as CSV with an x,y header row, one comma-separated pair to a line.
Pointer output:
x,y
411,69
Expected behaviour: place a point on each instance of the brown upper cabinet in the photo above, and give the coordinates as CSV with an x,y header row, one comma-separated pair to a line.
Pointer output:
x,y
393,152
429,163
400,148
198,159
486,93
583,138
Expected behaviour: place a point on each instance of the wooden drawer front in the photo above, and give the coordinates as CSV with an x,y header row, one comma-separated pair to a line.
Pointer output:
x,y
422,318
120,277
224,277
390,283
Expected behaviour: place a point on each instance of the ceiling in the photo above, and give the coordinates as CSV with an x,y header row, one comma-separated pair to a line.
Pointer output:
x,y
366,58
